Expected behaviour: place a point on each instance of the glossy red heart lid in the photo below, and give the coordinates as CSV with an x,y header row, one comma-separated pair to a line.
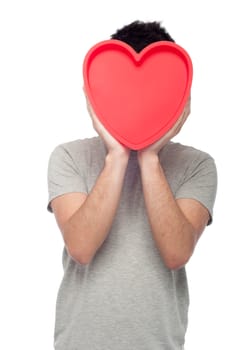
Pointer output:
x,y
137,97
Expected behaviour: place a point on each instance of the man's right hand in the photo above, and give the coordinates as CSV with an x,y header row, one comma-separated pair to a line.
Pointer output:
x,y
113,146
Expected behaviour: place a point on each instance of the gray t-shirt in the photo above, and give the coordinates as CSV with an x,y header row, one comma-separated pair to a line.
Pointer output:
x,y
126,298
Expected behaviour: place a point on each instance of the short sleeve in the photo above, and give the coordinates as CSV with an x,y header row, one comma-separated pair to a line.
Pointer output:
x,y
63,175
200,183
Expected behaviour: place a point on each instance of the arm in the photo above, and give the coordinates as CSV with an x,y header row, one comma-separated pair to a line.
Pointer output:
x,y
84,220
176,224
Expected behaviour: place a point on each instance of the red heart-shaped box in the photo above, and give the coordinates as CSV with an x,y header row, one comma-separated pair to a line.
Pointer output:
x,y
138,97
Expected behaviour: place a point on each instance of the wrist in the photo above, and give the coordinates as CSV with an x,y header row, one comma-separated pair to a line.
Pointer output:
x,y
118,157
147,157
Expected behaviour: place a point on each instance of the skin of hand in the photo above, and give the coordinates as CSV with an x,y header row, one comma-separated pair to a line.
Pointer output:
x,y
113,146
158,145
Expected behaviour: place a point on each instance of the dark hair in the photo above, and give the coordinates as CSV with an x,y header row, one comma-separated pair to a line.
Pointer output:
x,y
139,34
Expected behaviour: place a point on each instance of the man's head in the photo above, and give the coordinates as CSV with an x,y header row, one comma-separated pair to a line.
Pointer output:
x,y
140,34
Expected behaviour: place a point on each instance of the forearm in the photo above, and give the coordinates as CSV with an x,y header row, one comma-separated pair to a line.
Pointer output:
x,y
172,232
89,226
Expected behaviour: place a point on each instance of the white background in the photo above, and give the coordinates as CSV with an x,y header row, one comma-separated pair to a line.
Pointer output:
x,y
42,46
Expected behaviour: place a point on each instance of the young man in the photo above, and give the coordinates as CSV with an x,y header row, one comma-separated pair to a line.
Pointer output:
x,y
130,222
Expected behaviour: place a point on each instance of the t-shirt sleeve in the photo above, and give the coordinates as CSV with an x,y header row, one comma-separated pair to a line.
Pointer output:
x,y
63,175
200,183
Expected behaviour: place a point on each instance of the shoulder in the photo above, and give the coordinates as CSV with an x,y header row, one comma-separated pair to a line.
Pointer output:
x,y
80,145
185,164
185,156
79,149
195,171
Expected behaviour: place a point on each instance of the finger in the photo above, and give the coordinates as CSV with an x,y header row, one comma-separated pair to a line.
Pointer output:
x,y
183,120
